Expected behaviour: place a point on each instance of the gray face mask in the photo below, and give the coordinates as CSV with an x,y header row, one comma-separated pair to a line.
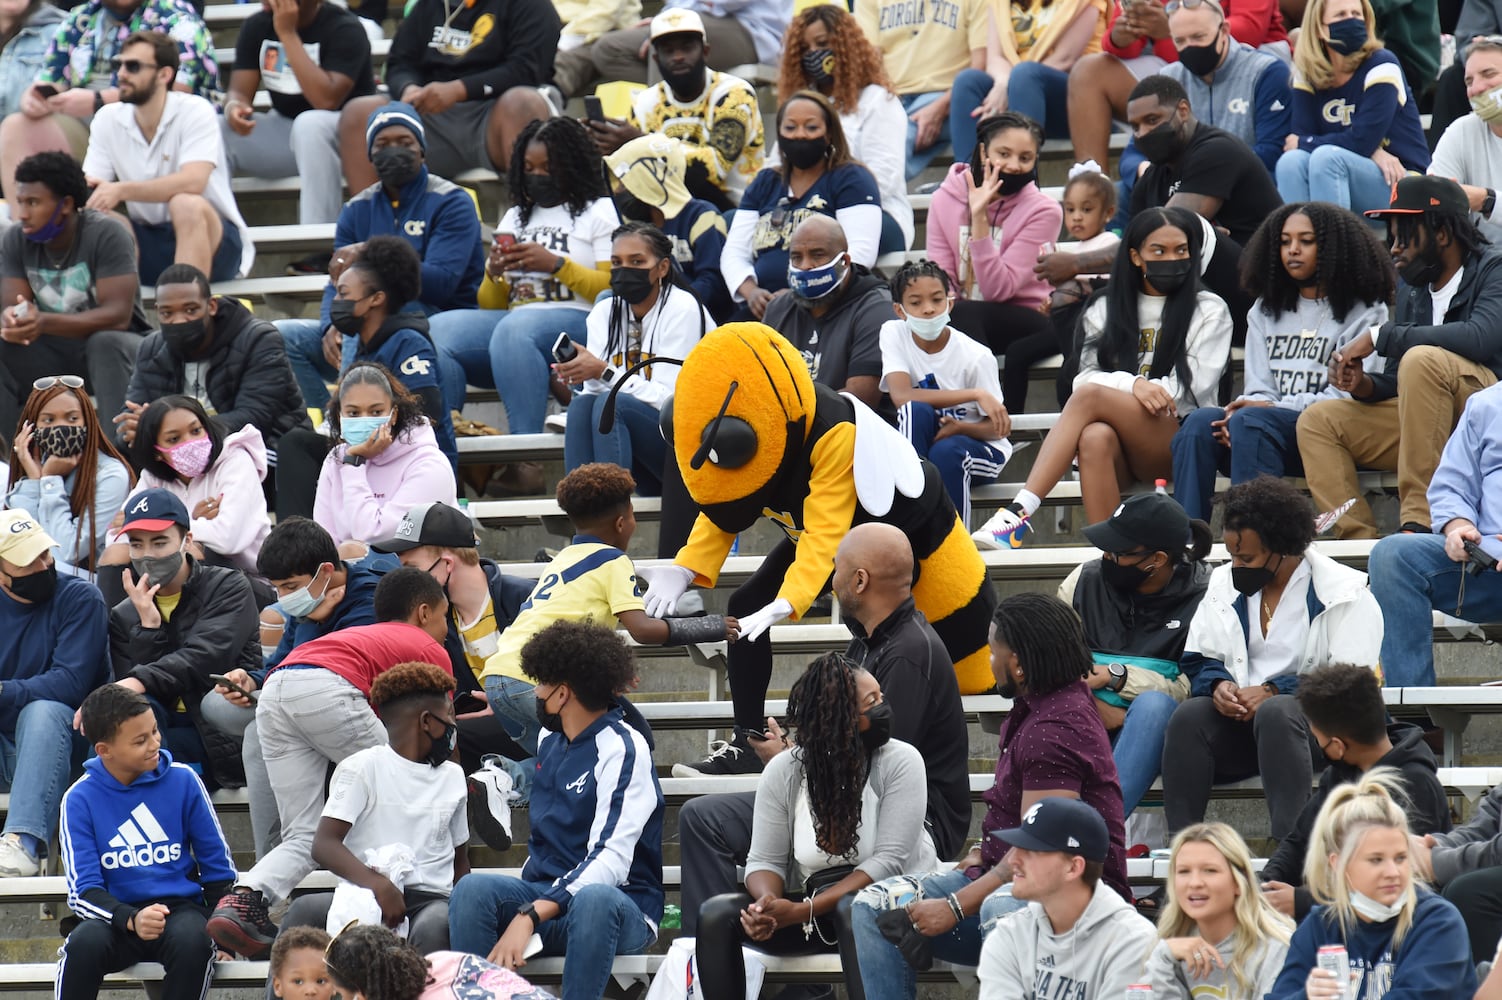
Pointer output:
x,y
159,569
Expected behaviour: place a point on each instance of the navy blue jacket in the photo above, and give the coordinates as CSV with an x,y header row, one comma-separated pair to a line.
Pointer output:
x,y
57,651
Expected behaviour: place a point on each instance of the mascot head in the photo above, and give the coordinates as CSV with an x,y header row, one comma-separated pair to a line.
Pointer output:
x,y
740,413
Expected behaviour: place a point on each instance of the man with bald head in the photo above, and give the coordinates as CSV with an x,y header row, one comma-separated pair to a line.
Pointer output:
x,y
833,311
890,638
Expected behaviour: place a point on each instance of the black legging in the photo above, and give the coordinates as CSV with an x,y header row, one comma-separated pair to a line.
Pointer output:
x,y
749,664
722,971
678,511
1478,897
299,460
1023,336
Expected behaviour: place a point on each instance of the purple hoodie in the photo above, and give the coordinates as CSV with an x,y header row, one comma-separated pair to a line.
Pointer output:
x,y
366,502
1004,269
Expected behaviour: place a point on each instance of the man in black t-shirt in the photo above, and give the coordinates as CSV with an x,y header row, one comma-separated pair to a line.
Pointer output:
x,y
312,57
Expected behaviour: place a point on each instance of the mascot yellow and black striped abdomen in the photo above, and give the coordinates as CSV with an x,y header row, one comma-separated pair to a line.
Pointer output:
x,y
755,437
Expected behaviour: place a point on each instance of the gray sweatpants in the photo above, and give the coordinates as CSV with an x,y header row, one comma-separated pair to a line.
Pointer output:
x,y
306,146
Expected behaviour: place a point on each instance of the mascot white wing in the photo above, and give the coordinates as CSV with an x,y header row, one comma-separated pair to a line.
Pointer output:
x,y
885,462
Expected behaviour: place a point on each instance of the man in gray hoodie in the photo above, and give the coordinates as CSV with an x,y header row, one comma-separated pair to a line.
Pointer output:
x,y
1467,864
1077,938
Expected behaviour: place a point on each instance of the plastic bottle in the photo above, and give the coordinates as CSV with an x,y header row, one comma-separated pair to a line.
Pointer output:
x,y
1160,486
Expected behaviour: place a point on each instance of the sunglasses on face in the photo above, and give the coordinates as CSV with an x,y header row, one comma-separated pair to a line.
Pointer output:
x,y
48,381
131,66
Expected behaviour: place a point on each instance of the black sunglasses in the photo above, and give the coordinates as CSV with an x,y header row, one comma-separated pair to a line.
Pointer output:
x,y
131,66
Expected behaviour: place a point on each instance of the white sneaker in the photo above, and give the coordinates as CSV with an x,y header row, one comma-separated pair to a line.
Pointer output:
x,y
1005,527
14,861
490,794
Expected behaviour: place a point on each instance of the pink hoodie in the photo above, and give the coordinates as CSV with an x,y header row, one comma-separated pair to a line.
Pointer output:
x,y
1003,273
242,524
366,502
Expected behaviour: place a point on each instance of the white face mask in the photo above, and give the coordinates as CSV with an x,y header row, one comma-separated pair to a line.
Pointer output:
x,y
930,329
1374,911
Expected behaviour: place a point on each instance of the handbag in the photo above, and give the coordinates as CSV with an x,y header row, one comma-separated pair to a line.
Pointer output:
x,y
815,883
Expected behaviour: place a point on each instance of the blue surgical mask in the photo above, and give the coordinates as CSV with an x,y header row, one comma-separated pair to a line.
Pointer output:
x,y
51,231
929,329
357,430
817,282
301,602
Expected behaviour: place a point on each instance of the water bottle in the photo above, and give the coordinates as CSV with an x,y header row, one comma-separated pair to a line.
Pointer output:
x,y
672,918
1160,486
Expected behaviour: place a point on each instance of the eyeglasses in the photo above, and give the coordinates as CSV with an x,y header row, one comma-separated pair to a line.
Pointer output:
x,y
131,66
48,381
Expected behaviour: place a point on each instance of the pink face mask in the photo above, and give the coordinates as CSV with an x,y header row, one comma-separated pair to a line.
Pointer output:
x,y
190,457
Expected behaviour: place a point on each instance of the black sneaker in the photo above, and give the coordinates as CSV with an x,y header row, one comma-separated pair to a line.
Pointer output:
x,y
734,757
313,263
241,924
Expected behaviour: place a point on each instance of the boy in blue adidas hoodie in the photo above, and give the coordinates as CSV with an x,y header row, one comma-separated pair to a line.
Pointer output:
x,y
143,849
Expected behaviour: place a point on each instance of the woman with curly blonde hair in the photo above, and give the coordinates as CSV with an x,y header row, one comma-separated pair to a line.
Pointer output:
x,y
1218,934
825,50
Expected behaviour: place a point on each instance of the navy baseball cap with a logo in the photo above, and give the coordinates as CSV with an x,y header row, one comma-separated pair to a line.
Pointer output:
x,y
1059,824
154,510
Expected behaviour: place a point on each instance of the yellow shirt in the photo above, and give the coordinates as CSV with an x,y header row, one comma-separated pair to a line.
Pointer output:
x,y
588,581
924,43
481,638
167,603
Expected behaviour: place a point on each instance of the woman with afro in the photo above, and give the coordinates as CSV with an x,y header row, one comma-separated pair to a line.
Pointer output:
x,y
549,260
1321,278
825,50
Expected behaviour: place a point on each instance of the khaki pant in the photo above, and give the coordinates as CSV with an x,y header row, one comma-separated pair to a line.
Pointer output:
x,y
1405,434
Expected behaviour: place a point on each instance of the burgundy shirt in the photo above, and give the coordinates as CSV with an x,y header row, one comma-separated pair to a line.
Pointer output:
x,y
1055,741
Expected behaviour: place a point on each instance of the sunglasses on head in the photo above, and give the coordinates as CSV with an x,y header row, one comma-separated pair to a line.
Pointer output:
x,y
48,381
330,947
131,66
1173,5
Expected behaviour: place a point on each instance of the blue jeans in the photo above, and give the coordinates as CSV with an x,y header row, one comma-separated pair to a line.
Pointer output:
x,y
634,443
886,974
601,922
304,342
510,351
918,159
1033,89
514,703
961,460
1410,577
34,764
1329,173
1138,744
1264,441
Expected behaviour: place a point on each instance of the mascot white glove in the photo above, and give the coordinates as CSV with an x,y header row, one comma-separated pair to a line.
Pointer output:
x,y
666,584
753,625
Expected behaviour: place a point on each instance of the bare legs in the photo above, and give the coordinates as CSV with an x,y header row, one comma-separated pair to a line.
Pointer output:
x,y
1098,89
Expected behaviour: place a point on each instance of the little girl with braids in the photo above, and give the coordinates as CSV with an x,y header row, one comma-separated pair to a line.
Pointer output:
x,y
367,962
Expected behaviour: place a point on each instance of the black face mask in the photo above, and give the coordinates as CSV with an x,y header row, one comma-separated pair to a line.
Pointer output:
x,y
1012,183
1124,577
880,730
443,746
1168,276
342,316
37,588
632,208
396,166
1425,267
62,440
551,721
819,65
801,154
1249,579
634,284
186,339
1201,60
1163,144
543,190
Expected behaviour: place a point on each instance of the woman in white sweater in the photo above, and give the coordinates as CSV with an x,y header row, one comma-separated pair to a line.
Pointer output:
x,y
1154,346
834,814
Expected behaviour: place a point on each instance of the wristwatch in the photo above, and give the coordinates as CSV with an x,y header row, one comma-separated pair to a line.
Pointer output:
x,y
559,265
608,376
530,912
1118,672
1489,204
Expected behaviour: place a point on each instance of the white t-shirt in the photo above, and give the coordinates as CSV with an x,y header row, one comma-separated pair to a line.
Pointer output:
x,y
1100,241
1282,648
584,239
388,799
962,364
187,133
1471,153
670,329
1442,297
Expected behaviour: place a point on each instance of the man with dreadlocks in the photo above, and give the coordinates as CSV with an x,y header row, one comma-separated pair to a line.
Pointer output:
x,y
1052,745
1443,344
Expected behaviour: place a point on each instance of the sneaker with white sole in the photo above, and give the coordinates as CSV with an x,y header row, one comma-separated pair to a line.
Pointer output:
x,y
241,924
490,795
1004,528
15,860
733,757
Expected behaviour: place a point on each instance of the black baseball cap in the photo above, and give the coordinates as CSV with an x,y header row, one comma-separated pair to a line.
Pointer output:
x,y
1150,521
1060,824
430,524
1419,193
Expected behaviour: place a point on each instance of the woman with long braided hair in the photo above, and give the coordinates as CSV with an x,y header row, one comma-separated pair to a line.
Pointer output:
x,y
834,813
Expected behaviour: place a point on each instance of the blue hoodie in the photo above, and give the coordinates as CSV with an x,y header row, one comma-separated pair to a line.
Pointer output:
x,y
356,608
1434,960
125,846
440,220
56,651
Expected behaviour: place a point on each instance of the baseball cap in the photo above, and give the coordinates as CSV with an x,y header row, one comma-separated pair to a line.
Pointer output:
x,y
155,510
676,20
22,538
1150,521
1422,193
1059,824
430,524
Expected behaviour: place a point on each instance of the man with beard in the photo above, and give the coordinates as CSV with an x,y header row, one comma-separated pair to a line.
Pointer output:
x,y
1443,344
159,152
839,331
714,115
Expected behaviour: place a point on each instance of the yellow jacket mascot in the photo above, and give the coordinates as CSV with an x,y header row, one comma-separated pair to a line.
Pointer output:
x,y
755,437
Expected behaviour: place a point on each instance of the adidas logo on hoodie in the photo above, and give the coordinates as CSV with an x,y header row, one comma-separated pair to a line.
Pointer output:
x,y
140,842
